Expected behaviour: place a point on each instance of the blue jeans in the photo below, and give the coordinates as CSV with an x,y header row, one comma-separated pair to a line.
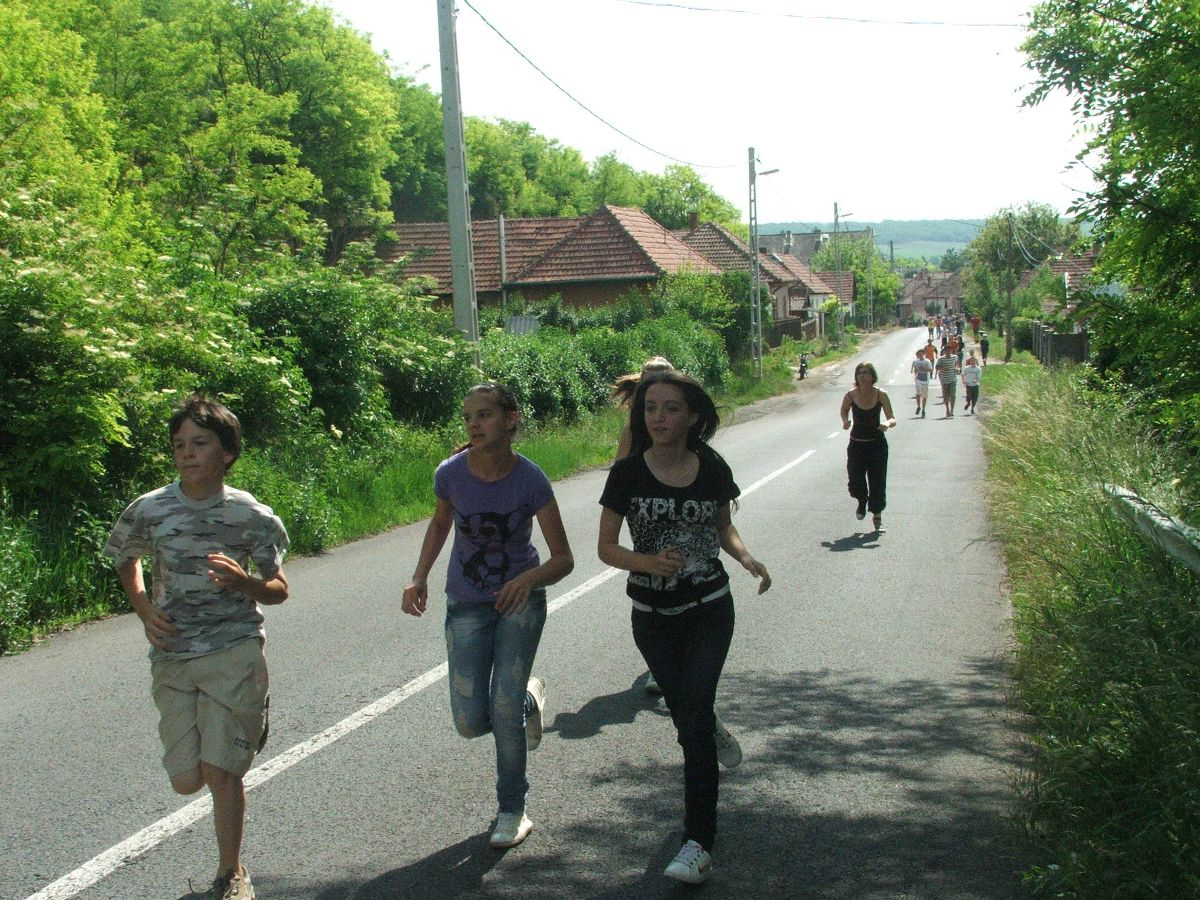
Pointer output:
x,y
490,657
686,653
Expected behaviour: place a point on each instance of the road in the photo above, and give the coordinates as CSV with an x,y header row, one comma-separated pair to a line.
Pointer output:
x,y
867,689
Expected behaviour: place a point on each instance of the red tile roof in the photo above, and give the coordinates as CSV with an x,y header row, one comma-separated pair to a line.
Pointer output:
x,y
613,243
730,253
803,273
428,246
845,290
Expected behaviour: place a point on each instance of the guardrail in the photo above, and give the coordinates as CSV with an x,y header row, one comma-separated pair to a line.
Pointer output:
x,y
1178,539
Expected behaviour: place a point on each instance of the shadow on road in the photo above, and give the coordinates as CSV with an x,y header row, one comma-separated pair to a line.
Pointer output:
x,y
607,709
852,787
860,540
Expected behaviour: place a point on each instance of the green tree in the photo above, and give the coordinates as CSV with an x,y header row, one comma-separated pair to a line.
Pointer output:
x,y
1133,71
1014,241
879,287
417,173
615,183
952,260
679,191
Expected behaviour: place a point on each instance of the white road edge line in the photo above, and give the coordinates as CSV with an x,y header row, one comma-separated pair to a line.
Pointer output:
x,y
103,865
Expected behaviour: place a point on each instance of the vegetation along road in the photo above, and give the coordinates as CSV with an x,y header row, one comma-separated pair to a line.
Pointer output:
x,y
867,688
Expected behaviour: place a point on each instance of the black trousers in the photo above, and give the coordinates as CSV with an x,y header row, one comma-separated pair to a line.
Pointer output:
x,y
866,468
686,653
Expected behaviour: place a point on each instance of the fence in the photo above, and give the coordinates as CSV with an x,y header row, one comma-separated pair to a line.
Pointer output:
x,y
1052,348
795,327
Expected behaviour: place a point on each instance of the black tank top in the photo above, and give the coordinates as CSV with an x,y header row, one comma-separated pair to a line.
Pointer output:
x,y
866,422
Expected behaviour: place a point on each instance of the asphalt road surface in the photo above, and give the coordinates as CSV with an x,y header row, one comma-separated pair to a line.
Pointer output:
x,y
867,688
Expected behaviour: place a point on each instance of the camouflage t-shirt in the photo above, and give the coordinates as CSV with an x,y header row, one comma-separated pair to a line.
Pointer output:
x,y
179,534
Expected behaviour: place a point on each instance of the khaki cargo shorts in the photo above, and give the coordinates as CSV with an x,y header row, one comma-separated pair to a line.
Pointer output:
x,y
212,708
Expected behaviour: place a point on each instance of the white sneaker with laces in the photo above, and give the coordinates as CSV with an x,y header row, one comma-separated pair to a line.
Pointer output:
x,y
729,751
510,830
533,721
692,864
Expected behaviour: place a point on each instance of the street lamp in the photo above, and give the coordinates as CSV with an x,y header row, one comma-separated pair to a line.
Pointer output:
x,y
756,335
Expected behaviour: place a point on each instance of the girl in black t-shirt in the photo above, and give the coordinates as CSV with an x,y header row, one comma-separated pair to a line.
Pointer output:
x,y
675,492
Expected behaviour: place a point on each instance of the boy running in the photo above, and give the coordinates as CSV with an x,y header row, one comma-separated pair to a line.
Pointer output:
x,y
208,671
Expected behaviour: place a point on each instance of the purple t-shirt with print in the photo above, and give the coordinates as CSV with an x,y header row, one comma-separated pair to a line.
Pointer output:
x,y
493,523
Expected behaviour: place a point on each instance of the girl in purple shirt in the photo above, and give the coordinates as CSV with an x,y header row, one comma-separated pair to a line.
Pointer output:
x,y
495,591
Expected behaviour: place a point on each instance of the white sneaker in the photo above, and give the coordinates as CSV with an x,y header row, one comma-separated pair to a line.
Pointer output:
x,y
729,751
533,721
510,830
692,864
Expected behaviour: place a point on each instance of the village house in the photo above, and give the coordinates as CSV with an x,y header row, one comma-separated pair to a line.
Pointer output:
x,y
587,260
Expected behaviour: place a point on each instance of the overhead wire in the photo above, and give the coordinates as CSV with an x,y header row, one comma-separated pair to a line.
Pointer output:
x,y
584,106
851,19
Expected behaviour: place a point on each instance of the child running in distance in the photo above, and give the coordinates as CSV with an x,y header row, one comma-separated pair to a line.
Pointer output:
x,y
495,591
675,492
207,668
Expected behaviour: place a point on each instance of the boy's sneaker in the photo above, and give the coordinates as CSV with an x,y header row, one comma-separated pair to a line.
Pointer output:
x,y
861,512
692,864
232,886
510,830
533,720
652,687
729,751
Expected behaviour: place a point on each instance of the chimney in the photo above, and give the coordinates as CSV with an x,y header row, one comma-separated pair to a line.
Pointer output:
x,y
693,221
787,242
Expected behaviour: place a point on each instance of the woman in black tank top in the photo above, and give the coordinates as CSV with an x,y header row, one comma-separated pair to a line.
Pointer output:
x,y
867,453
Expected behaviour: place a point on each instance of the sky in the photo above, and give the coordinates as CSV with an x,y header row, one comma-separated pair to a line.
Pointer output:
x,y
892,109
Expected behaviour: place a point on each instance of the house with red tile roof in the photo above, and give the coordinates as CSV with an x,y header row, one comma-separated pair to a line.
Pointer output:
x,y
587,260
944,291
844,286
809,290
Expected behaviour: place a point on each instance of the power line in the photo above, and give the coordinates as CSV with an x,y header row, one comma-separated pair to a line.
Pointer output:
x,y
851,19
581,104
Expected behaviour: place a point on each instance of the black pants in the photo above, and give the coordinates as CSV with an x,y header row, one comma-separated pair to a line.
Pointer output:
x,y
866,467
686,653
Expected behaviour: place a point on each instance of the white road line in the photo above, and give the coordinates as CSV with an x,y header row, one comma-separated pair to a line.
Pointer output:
x,y
833,435
103,865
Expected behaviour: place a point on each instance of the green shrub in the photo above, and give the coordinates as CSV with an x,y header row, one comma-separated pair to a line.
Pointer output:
x,y
1022,333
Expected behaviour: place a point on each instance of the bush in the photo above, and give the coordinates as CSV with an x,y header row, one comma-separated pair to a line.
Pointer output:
x,y
1022,333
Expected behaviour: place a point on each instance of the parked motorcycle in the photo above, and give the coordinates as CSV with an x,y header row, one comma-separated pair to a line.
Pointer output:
x,y
803,365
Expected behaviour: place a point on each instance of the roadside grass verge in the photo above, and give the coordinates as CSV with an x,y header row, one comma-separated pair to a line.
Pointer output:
x,y
1107,639
53,575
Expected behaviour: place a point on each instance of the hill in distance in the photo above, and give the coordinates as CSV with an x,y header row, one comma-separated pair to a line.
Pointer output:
x,y
915,238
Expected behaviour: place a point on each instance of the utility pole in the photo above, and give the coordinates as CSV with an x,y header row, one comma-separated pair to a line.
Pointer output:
x,y
1008,288
458,201
756,330
755,290
837,260
870,280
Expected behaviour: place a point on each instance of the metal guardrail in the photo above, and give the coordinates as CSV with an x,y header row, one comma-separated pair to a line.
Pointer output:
x,y
1172,536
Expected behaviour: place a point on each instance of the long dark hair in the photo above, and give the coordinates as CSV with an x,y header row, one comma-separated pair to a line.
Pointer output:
x,y
694,395
505,399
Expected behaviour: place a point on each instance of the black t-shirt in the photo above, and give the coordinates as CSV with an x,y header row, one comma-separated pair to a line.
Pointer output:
x,y
660,515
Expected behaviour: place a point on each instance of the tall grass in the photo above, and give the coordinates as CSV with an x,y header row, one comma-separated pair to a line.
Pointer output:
x,y
1107,637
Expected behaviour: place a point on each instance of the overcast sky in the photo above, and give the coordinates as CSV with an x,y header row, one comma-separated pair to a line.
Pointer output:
x,y
851,105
